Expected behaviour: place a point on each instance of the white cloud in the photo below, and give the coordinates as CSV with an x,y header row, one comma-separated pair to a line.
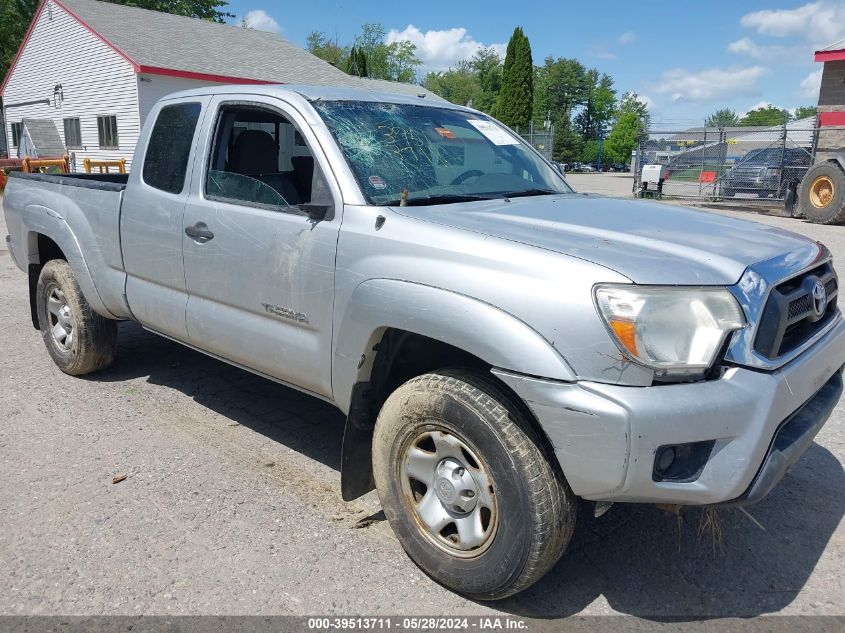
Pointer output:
x,y
260,20
820,23
756,106
438,50
648,101
628,37
747,46
810,85
709,84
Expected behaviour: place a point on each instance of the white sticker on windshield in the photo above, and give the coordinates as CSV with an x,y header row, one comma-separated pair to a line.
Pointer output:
x,y
495,134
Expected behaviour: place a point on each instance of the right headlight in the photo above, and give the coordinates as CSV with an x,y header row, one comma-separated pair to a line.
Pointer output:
x,y
670,328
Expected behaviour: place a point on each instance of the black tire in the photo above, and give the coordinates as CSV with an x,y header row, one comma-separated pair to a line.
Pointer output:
x,y
727,192
92,339
811,204
535,508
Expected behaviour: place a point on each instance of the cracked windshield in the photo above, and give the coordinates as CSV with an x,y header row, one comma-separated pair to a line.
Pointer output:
x,y
408,154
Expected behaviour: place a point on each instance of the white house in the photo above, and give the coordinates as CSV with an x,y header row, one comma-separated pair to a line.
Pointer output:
x,y
95,69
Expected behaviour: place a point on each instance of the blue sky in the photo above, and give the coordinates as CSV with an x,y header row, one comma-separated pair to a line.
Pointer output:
x,y
685,58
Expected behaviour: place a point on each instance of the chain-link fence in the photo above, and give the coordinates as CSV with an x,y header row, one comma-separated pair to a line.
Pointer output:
x,y
729,163
541,138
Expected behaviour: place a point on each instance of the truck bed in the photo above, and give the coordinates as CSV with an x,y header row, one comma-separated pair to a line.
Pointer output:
x,y
81,214
103,182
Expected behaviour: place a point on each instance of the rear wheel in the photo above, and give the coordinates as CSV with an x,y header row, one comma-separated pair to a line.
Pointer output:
x,y
79,340
467,486
821,194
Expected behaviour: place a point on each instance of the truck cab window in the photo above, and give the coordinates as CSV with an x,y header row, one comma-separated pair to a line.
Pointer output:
x,y
166,160
259,157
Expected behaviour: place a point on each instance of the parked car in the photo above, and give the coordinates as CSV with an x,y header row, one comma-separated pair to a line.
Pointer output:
x,y
505,350
767,172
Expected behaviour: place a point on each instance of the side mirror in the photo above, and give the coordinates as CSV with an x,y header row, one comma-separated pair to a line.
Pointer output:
x,y
316,212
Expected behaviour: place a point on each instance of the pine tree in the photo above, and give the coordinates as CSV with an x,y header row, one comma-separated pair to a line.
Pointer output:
x,y
517,93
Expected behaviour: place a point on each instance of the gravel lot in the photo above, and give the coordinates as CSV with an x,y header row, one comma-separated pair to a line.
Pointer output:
x,y
232,505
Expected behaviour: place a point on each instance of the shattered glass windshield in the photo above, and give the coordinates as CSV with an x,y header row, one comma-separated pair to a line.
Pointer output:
x,y
410,154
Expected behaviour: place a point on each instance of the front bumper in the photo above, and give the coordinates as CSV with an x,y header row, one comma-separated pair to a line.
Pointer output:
x,y
759,423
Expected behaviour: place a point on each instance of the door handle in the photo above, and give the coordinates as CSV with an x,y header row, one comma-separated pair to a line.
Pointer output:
x,y
199,232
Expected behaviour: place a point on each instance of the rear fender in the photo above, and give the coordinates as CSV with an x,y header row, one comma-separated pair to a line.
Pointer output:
x,y
44,221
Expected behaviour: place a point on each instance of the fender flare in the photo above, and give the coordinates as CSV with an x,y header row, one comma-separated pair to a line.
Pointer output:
x,y
463,322
46,222
839,159
478,328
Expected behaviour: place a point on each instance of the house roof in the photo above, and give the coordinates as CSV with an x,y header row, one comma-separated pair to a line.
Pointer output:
x,y
44,137
831,53
166,44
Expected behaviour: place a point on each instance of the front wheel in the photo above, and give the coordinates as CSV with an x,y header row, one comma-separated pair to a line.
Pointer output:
x,y
79,340
467,487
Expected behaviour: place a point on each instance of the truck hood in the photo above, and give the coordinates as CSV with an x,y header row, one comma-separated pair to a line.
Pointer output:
x,y
647,242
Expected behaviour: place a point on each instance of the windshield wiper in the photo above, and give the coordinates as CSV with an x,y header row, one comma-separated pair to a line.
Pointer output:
x,y
445,198
529,192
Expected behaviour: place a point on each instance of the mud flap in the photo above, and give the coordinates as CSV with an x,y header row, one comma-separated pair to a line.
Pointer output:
x,y
356,461
34,272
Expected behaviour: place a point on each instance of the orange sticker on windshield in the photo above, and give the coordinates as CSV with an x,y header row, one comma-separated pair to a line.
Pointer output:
x,y
445,133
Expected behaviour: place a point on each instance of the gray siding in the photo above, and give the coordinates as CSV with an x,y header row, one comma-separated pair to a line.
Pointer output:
x,y
832,92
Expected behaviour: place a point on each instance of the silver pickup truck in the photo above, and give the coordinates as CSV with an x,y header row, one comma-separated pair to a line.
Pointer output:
x,y
506,350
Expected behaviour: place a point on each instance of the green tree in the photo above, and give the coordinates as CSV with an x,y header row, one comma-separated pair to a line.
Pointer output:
x,y
486,65
322,46
567,85
396,61
204,9
15,16
765,116
622,138
804,112
567,144
475,82
459,85
356,63
599,105
722,118
630,102
517,92
590,152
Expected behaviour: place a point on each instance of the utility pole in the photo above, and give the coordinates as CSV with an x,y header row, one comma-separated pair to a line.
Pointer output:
x,y
601,142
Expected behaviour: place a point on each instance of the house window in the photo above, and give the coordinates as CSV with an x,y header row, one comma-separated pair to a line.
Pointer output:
x,y
73,134
16,134
107,131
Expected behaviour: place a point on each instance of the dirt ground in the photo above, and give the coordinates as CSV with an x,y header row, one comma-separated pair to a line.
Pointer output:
x,y
231,504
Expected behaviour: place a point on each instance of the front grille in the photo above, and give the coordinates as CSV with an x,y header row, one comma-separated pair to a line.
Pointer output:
x,y
746,172
799,306
794,312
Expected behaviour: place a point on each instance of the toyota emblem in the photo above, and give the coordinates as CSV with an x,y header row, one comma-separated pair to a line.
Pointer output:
x,y
819,298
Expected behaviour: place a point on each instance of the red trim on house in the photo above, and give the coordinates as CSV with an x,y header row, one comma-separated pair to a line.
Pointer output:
x,y
187,74
97,35
830,56
23,44
138,68
831,118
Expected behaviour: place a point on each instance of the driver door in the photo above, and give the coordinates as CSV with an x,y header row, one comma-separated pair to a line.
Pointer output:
x,y
259,270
